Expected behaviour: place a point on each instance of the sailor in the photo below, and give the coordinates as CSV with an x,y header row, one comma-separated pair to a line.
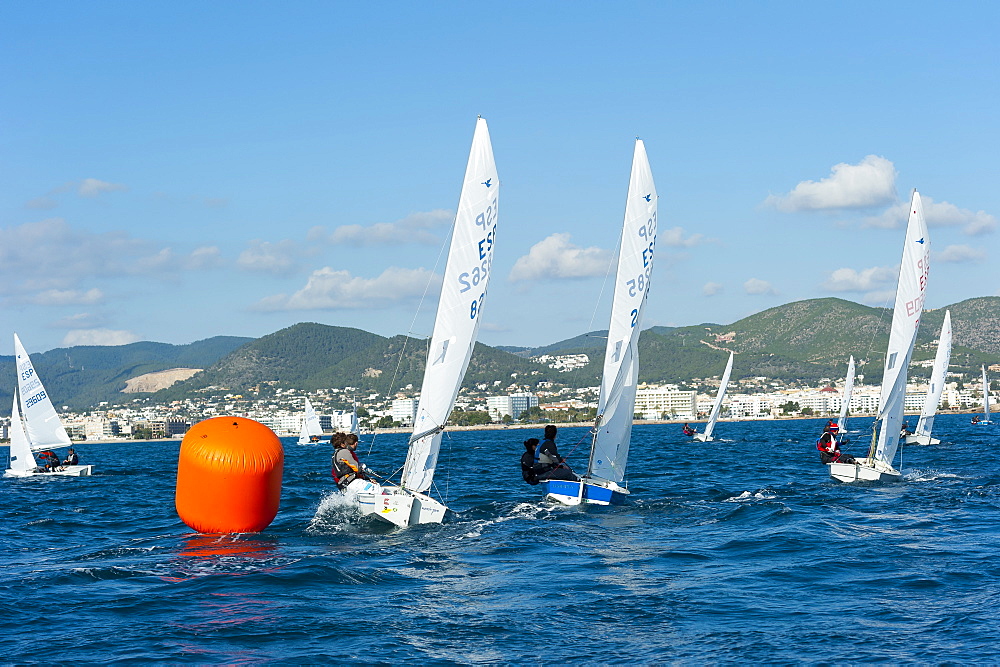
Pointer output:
x,y
50,460
688,431
829,448
71,458
529,469
549,462
346,466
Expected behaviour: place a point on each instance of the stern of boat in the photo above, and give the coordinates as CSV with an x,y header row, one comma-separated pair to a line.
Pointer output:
x,y
865,470
921,440
701,437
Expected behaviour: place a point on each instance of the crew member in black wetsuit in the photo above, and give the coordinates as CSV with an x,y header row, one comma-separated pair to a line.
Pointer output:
x,y
547,455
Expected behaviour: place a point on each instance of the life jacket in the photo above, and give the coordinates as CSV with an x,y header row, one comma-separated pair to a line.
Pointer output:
x,y
342,471
544,457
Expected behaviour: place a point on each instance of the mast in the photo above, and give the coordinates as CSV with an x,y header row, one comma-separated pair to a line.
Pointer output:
x,y
616,404
467,273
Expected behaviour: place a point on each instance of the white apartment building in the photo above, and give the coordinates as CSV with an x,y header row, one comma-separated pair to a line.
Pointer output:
x,y
512,404
404,410
655,402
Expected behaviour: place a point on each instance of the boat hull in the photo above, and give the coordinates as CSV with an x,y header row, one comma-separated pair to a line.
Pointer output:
x,y
584,492
701,437
392,504
921,440
865,470
66,471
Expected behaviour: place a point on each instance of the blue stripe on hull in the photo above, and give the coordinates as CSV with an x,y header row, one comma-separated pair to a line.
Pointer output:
x,y
592,493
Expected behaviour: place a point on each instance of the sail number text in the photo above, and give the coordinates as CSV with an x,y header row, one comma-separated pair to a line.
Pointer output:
x,y
467,280
640,283
34,399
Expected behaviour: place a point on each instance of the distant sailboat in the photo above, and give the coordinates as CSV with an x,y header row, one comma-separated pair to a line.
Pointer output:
x,y
922,433
985,421
910,292
603,481
845,402
311,429
706,436
470,261
34,424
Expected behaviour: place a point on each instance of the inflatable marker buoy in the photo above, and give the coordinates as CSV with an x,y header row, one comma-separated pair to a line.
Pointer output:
x,y
229,476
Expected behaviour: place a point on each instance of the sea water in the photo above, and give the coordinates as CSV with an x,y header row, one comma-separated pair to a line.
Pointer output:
x,y
737,550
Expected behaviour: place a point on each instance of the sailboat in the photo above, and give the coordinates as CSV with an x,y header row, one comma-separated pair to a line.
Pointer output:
x,y
311,430
910,293
922,433
985,421
845,402
34,424
470,261
706,436
603,482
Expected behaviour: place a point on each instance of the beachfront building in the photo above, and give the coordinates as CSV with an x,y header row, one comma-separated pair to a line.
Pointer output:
x,y
404,410
661,402
512,404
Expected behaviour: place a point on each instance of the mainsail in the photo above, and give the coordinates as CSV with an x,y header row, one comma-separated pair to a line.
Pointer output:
x,y
21,457
470,262
616,405
717,406
845,401
941,360
41,423
910,293
986,396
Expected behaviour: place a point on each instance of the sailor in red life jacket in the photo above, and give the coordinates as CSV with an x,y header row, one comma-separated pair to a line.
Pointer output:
x,y
829,448
346,466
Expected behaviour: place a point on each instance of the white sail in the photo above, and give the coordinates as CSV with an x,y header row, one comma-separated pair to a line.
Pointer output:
x,y
717,406
845,401
41,423
310,425
463,291
616,405
21,458
986,396
941,360
910,293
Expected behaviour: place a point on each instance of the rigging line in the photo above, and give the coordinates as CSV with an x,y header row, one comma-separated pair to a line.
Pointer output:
x,y
604,283
406,338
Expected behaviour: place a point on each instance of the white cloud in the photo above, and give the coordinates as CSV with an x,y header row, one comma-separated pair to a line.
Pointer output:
x,y
328,289
99,337
849,280
414,228
205,257
936,214
757,286
56,297
871,182
711,289
675,237
42,203
91,187
556,257
960,253
276,258
79,321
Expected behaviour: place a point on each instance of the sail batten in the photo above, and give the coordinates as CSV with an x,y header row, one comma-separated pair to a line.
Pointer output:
x,y
907,309
463,291
616,404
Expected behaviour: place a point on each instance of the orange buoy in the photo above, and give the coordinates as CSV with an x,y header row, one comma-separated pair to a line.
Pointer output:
x,y
229,476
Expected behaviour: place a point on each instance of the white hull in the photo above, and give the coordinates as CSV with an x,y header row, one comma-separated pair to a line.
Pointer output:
x,y
64,471
392,504
701,437
865,470
921,440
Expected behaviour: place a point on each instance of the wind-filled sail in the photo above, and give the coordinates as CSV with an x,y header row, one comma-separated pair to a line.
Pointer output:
x,y
616,404
41,423
21,457
310,425
470,262
717,406
845,401
941,360
910,293
986,396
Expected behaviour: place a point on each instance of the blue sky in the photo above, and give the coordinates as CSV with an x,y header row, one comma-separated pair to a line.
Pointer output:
x,y
175,171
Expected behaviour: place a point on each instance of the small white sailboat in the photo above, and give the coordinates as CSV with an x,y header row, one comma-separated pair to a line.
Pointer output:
x,y
985,421
603,482
922,433
706,435
470,261
311,430
910,293
845,402
34,424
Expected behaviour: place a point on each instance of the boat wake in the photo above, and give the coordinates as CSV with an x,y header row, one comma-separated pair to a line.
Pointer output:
x,y
747,496
530,511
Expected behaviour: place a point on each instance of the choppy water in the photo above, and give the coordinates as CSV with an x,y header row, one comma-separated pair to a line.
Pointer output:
x,y
741,550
